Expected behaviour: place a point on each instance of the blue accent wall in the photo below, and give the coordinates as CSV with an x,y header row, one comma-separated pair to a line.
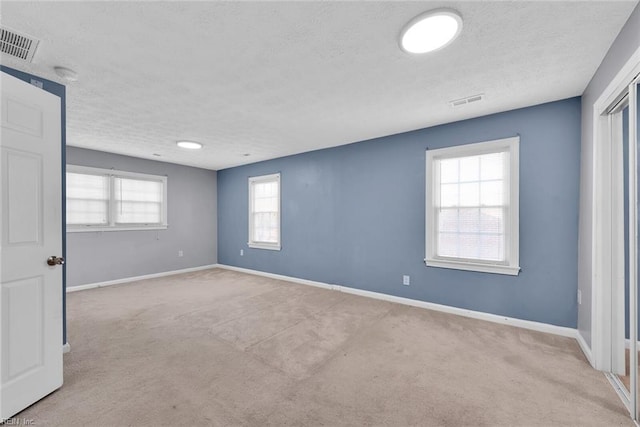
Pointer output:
x,y
354,215
58,90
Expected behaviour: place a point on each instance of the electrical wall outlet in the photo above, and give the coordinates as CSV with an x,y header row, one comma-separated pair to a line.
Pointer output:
x,y
180,253
241,252
406,280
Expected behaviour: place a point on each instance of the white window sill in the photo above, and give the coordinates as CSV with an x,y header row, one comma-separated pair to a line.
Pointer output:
x,y
269,246
89,228
471,266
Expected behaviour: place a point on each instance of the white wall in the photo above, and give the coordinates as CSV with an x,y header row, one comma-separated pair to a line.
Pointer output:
x,y
621,50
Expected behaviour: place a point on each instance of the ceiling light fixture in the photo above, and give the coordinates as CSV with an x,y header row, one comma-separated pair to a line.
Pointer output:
x,y
431,31
189,145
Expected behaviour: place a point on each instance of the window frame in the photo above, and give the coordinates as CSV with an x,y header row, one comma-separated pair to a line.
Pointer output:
x,y
511,266
274,246
112,174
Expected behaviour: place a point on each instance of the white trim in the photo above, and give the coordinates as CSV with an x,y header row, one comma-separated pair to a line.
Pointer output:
x,y
280,277
137,278
66,348
633,244
584,347
603,241
612,92
275,177
525,324
605,269
90,228
473,266
617,243
262,245
511,204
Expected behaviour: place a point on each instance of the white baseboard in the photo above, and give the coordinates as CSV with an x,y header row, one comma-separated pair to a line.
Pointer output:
x,y
136,278
584,347
525,324
66,348
280,277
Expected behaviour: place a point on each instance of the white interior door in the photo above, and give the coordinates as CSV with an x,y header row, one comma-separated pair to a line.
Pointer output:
x,y
31,232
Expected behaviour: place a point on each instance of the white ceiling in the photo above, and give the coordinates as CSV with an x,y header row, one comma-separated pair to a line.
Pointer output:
x,y
278,78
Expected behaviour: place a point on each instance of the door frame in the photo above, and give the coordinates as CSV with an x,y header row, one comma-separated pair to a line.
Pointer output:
x,y
607,245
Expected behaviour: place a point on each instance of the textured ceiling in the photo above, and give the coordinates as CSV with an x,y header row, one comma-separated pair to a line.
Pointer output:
x,y
277,78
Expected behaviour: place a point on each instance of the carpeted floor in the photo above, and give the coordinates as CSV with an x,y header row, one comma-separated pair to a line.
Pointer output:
x,y
223,348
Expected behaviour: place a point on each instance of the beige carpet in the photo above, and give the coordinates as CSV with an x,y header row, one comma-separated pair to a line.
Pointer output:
x,y
223,348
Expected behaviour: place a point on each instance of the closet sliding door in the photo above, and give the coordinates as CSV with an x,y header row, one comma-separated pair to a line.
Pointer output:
x,y
623,126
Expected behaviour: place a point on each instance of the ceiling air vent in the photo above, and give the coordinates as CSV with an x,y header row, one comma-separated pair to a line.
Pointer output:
x,y
468,100
17,45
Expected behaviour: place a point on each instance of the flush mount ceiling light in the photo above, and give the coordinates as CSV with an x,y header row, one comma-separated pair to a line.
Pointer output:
x,y
189,145
431,31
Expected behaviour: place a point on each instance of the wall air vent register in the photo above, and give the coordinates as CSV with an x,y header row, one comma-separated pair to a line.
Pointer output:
x,y
468,100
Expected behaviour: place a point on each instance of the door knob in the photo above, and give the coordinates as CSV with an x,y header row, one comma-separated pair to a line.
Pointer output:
x,y
55,260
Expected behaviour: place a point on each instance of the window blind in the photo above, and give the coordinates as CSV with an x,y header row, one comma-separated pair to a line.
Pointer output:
x,y
138,201
87,199
112,200
265,211
472,207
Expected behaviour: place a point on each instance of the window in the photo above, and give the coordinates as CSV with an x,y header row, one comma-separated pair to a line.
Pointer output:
x,y
138,201
87,199
472,207
109,200
264,212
